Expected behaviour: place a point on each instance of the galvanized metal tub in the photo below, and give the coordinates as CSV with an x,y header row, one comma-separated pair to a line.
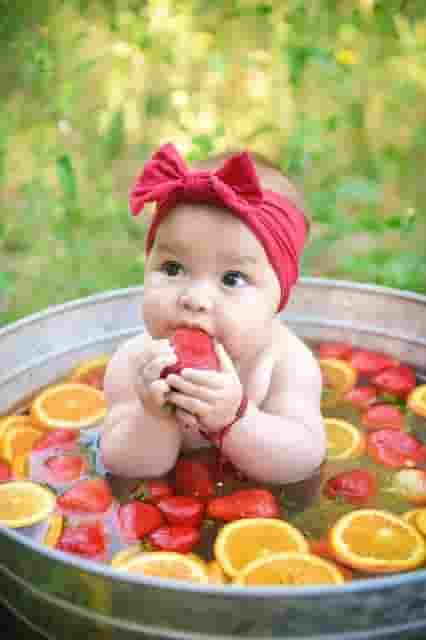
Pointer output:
x,y
66,597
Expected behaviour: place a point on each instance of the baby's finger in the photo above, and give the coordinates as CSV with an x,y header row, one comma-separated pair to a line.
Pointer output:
x,y
178,383
226,364
186,419
153,369
192,405
204,378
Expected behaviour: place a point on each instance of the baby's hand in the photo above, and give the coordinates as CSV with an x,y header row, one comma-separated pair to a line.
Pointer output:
x,y
153,390
212,398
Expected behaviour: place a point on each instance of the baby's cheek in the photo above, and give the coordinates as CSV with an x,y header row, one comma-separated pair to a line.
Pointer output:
x,y
156,313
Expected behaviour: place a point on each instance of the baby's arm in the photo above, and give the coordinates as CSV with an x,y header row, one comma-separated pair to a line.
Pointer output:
x,y
284,439
140,437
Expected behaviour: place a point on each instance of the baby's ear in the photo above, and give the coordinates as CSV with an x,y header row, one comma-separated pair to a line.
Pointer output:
x,y
226,364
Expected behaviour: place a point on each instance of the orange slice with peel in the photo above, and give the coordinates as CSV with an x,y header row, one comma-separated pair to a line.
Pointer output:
x,y
338,374
24,503
416,400
420,521
344,440
216,573
91,371
411,515
245,540
54,530
292,569
71,405
14,421
121,557
20,467
166,564
19,440
376,541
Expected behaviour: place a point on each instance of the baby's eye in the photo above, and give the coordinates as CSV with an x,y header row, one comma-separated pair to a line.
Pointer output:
x,y
171,268
234,279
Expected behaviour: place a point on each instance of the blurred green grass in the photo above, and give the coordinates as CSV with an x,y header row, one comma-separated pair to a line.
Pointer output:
x,y
334,92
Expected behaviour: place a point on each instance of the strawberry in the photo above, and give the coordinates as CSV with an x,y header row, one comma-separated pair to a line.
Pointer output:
x,y
356,486
194,349
65,468
153,490
369,363
398,380
361,397
58,438
88,496
182,510
339,350
87,540
178,537
194,478
394,448
381,416
5,471
244,503
136,519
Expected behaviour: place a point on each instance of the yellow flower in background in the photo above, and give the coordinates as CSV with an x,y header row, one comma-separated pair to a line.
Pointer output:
x,y
346,57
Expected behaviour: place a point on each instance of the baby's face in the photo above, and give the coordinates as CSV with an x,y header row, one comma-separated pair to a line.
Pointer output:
x,y
207,269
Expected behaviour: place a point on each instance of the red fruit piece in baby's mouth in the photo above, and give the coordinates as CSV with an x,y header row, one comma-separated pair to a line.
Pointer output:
x,y
194,349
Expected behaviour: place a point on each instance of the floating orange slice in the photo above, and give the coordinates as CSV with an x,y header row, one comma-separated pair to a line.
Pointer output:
x,y
377,541
70,405
54,530
416,400
13,421
165,564
338,374
344,440
124,555
91,371
216,573
19,440
24,503
420,521
20,467
411,515
245,540
291,569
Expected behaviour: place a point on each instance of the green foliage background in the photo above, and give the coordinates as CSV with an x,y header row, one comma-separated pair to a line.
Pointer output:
x,y
332,90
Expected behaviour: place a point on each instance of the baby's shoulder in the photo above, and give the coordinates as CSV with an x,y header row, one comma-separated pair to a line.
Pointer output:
x,y
130,349
294,357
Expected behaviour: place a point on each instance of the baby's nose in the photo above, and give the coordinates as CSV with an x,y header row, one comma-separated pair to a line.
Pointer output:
x,y
196,298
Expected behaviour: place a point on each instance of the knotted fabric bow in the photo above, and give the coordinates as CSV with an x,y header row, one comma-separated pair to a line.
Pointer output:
x,y
276,222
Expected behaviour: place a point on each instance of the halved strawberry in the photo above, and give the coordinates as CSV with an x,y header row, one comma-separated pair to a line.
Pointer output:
x,y
88,496
87,540
194,349
58,438
395,448
136,519
369,363
193,478
339,350
361,397
175,537
383,416
398,380
65,468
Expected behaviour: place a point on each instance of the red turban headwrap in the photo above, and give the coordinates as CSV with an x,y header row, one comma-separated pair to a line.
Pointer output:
x,y
276,222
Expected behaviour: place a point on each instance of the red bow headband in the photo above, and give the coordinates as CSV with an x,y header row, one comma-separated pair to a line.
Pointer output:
x,y
276,222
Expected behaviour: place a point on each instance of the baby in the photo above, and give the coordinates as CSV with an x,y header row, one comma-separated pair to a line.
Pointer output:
x,y
222,254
